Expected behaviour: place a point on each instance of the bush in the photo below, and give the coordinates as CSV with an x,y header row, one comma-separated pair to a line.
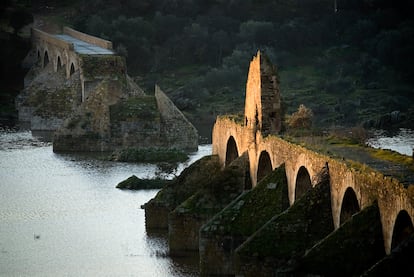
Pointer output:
x,y
300,119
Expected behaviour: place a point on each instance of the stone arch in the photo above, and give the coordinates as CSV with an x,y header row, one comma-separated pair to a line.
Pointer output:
x,y
59,64
72,69
39,58
350,205
45,59
264,166
303,182
232,152
403,228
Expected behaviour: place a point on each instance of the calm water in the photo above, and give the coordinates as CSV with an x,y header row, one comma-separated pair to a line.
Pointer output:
x,y
61,215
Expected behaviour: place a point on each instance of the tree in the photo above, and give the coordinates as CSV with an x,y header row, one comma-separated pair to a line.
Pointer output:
x,y
300,119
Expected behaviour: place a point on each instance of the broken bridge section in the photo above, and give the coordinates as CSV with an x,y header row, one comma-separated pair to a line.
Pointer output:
x,y
257,135
65,51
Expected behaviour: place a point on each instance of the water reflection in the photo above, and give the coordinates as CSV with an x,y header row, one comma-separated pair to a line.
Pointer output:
x,y
62,215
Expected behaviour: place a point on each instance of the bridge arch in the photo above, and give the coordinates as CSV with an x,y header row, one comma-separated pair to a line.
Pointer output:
x,y
303,182
232,152
403,228
39,57
264,166
45,58
72,69
58,64
349,206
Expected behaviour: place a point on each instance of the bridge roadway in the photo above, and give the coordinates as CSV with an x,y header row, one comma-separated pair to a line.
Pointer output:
x,y
83,47
63,51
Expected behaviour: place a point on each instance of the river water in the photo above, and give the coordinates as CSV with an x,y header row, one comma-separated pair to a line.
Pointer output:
x,y
61,215
401,140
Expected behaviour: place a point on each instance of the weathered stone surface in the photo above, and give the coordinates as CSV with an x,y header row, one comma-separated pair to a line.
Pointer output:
x,y
349,250
263,107
193,178
227,230
276,247
397,263
91,102
223,187
135,183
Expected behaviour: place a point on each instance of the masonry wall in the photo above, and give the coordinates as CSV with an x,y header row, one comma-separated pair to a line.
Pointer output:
x,y
176,130
368,185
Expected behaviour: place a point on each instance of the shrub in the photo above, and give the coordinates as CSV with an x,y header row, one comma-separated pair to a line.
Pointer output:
x,y
302,118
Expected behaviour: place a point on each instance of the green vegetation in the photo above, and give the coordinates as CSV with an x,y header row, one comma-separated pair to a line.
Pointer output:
x,y
223,187
103,65
136,183
290,233
392,156
57,103
254,208
351,66
149,155
140,107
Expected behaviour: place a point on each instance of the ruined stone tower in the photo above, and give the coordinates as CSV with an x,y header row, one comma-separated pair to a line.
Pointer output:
x,y
263,109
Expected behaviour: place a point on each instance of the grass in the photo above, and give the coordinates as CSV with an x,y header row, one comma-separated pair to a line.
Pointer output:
x,y
392,156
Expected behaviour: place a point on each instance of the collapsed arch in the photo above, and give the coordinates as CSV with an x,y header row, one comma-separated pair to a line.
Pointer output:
x,y
303,182
264,167
403,228
45,59
231,151
349,206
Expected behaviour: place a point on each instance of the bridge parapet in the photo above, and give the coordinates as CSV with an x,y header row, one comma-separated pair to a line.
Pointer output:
x,y
88,38
39,36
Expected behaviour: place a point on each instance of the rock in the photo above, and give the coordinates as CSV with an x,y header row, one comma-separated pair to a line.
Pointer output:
x,y
135,183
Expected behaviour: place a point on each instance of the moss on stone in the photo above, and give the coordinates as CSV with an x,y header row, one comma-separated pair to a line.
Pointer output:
x,y
99,66
224,186
140,107
135,183
254,208
267,199
349,250
289,234
236,118
193,178
58,103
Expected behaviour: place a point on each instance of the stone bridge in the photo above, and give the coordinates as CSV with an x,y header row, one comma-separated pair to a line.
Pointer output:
x,y
352,189
63,51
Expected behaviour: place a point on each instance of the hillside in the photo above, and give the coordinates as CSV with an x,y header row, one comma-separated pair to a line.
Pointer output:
x,y
350,65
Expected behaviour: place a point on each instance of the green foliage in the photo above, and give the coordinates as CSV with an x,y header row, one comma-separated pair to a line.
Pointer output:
x,y
301,119
365,45
150,155
141,107
136,183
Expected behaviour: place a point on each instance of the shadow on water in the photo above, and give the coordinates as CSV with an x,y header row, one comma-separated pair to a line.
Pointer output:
x,y
157,241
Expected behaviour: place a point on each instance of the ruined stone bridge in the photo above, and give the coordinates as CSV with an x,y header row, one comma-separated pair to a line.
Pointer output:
x,y
260,205
352,189
63,51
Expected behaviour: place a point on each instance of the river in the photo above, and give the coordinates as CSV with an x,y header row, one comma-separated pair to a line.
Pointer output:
x,y
401,140
61,215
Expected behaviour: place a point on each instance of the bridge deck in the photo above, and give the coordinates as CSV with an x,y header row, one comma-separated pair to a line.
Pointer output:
x,y
83,47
